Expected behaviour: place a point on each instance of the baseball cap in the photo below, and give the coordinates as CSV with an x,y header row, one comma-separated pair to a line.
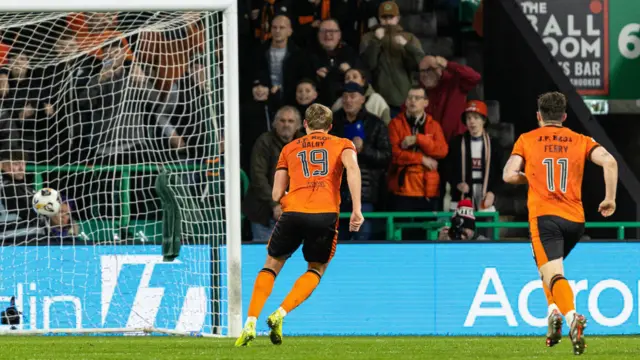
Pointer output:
x,y
352,87
388,8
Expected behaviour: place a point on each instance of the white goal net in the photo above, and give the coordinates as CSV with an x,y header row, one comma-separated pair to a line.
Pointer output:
x,y
125,114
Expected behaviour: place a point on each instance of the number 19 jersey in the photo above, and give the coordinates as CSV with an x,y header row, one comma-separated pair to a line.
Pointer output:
x,y
554,159
314,165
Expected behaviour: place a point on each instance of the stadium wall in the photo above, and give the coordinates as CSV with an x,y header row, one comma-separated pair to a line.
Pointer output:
x,y
369,289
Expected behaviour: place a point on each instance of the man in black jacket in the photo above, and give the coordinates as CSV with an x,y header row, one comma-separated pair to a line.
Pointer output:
x,y
20,218
258,205
280,63
369,135
330,60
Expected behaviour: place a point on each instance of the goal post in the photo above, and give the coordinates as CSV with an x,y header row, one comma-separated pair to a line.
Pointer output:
x,y
224,260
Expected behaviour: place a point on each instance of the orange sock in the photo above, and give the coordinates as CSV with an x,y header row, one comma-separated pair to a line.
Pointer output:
x,y
547,294
261,291
562,294
301,290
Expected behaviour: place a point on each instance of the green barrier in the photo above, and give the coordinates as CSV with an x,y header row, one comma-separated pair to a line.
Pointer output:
x,y
619,226
394,229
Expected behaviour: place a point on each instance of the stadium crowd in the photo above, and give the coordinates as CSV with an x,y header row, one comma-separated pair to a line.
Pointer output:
x,y
76,91
89,95
405,108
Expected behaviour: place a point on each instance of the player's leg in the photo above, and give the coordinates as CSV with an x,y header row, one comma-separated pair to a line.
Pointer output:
x,y
573,232
282,244
549,247
319,247
302,289
554,317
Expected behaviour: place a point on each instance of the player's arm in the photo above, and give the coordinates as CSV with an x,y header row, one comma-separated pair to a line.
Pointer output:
x,y
512,172
350,162
280,184
601,157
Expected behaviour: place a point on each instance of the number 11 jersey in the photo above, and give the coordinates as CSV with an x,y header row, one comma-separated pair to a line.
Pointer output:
x,y
314,165
554,159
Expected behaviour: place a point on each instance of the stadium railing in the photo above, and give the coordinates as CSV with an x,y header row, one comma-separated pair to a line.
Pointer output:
x,y
395,221
437,219
394,227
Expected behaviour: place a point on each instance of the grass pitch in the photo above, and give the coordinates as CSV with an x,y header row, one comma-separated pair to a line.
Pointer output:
x,y
310,348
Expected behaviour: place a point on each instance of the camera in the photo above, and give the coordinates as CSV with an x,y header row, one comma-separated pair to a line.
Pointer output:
x,y
11,316
456,230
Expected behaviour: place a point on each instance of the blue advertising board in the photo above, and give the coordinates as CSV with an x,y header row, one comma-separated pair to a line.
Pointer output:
x,y
486,288
107,287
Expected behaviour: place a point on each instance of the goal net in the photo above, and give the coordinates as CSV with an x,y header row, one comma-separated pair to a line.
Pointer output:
x,y
125,114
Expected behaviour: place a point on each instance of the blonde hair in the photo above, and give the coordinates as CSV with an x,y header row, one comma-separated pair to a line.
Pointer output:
x,y
319,117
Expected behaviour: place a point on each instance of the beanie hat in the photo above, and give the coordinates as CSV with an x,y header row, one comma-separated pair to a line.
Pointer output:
x,y
476,106
465,212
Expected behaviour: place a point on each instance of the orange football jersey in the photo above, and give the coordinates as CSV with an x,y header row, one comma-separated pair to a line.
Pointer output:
x,y
554,159
314,164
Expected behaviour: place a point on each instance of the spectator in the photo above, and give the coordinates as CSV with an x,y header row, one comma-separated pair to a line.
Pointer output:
x,y
62,224
120,130
20,105
309,15
463,224
18,73
371,138
374,103
281,63
360,16
474,160
126,116
258,204
392,54
417,143
91,29
190,111
330,61
263,12
168,53
256,118
57,85
306,94
17,194
447,84
4,70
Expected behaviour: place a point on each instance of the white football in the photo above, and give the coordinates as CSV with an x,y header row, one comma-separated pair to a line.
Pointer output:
x,y
46,202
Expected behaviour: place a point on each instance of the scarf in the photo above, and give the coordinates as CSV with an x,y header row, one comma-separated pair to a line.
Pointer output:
x,y
487,162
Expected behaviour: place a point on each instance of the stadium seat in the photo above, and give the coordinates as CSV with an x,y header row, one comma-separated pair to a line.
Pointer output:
x,y
421,25
493,108
410,6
